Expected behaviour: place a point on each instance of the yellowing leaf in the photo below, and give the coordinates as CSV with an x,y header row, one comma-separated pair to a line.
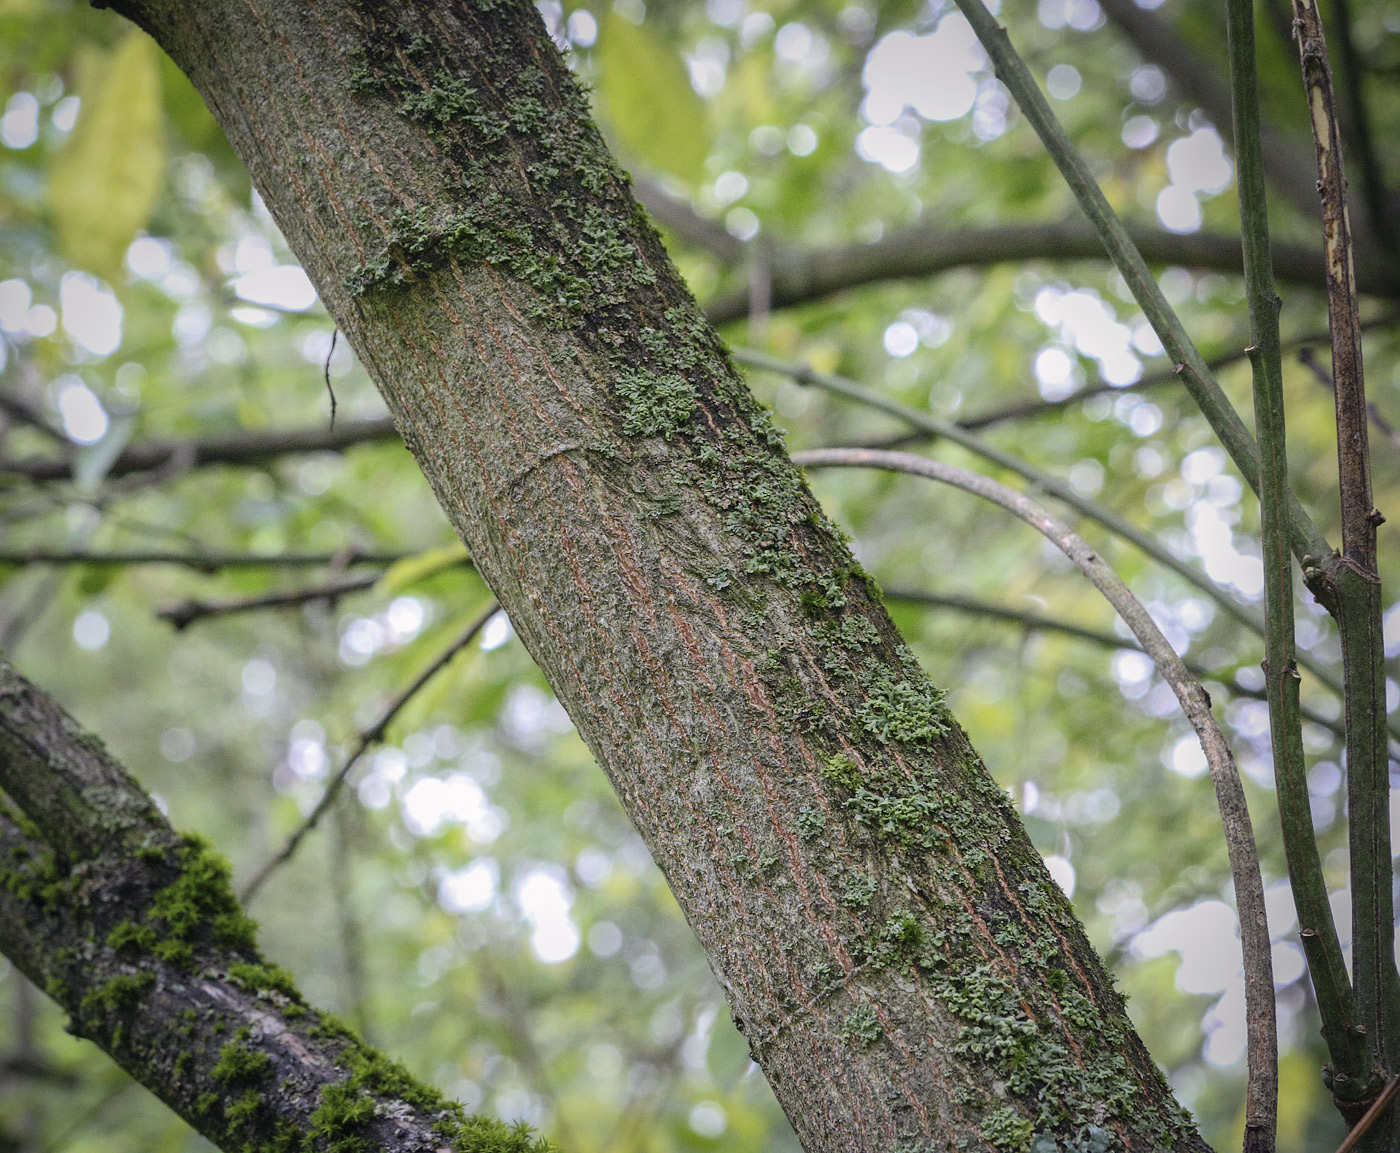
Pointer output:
x,y
104,183
412,569
652,109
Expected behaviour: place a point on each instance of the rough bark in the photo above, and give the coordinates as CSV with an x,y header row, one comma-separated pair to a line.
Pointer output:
x,y
905,971
135,932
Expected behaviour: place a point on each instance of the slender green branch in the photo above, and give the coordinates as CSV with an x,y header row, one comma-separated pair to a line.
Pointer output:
x,y
1354,578
1351,1062
1262,1031
1045,481
1036,622
1011,70
368,739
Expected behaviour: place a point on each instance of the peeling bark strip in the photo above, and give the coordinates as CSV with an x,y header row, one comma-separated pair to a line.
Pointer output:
x,y
135,932
907,974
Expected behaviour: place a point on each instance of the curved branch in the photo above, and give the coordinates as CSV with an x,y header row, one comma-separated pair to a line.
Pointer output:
x,y
801,275
1195,703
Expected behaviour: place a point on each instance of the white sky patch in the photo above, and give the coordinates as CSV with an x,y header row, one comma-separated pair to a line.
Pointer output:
x,y
149,258
1198,168
470,890
496,632
91,630
84,419
283,286
19,127
889,147
1062,873
1207,939
1085,322
15,301
545,898
91,314
935,75
433,802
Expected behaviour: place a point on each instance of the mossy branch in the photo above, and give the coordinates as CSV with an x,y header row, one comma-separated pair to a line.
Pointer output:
x,y
135,932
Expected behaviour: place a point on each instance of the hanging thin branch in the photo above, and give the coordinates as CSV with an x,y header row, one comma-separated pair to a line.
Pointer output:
x,y
368,738
1353,579
1261,1021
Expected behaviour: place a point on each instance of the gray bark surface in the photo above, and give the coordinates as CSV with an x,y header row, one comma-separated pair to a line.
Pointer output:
x,y
904,969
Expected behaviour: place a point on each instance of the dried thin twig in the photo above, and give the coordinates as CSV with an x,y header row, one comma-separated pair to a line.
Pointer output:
x,y
190,612
368,738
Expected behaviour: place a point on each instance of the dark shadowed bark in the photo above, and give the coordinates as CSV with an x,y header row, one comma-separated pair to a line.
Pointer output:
x,y
906,972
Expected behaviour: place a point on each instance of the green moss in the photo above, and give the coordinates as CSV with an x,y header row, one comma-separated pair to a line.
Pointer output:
x,y
243,1113
121,992
183,1062
239,1063
263,977
840,769
343,1110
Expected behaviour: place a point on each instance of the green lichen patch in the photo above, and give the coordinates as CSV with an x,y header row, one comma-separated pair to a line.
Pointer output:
x,y
905,709
654,405
862,1027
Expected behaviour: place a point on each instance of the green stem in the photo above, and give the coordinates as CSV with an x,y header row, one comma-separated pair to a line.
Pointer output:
x,y
1355,577
1046,482
1350,1054
1011,70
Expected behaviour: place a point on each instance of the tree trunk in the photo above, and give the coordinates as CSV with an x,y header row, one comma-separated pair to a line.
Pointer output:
x,y
905,971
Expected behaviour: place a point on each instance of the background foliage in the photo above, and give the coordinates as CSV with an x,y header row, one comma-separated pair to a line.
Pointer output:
x,y
479,904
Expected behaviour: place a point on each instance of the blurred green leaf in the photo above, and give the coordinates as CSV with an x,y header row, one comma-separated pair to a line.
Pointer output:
x,y
654,112
409,571
104,183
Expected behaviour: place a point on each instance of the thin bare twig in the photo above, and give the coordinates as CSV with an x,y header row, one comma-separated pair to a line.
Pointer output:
x,y
235,448
190,612
1262,1028
1037,622
1371,1116
1308,359
1038,407
367,739
326,371
198,561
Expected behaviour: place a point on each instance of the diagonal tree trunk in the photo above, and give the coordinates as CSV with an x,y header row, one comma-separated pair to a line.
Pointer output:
x,y
904,969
